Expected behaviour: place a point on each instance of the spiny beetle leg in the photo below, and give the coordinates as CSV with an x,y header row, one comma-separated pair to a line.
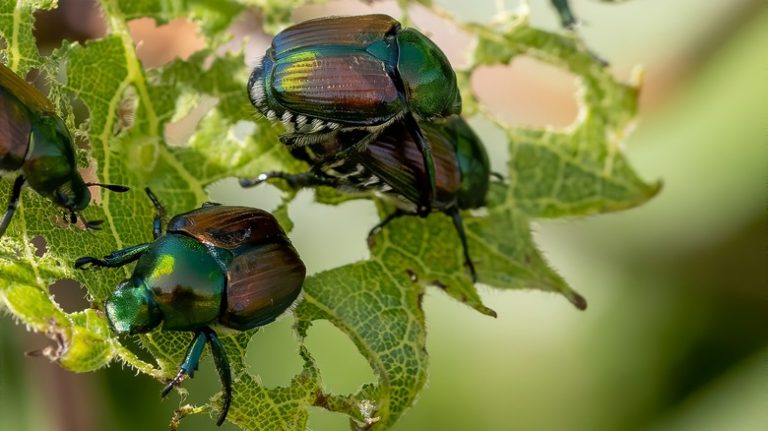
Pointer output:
x,y
12,204
295,181
225,375
190,364
157,222
429,164
113,260
380,225
459,225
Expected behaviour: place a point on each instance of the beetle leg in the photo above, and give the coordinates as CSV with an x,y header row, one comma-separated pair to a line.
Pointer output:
x,y
459,225
157,222
499,177
12,204
112,187
380,225
567,19
222,366
115,259
295,181
429,163
191,361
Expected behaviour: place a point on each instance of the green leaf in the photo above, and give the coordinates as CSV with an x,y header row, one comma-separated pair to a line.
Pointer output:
x,y
375,302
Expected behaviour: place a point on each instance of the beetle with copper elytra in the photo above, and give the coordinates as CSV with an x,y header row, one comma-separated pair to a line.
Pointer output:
x,y
216,265
355,73
35,141
391,164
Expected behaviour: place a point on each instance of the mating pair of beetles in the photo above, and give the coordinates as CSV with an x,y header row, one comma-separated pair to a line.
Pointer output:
x,y
370,105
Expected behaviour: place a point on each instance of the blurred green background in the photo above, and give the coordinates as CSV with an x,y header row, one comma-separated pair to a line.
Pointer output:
x,y
676,334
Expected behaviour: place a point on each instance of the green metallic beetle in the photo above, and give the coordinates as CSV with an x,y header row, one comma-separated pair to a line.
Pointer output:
x,y
35,141
391,164
358,72
216,265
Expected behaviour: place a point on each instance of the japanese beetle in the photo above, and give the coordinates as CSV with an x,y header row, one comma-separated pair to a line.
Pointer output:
x,y
216,265
391,164
358,72
35,141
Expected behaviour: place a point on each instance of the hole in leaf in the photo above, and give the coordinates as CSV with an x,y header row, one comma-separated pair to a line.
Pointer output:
x,y
41,245
495,141
158,45
454,42
321,419
229,192
247,25
80,112
528,92
242,130
329,236
133,343
273,353
69,294
206,381
76,20
190,109
341,365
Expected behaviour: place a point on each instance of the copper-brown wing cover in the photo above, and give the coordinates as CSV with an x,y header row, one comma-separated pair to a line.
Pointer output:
x,y
395,158
337,85
262,283
15,127
24,91
357,31
229,227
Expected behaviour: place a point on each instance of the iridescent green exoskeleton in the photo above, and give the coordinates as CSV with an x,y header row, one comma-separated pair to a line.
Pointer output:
x,y
216,265
357,72
35,141
391,164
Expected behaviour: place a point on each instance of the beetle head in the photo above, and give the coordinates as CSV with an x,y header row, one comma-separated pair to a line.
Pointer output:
x,y
131,309
429,80
72,195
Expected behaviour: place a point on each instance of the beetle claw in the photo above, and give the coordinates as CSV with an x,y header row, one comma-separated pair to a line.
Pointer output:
x,y
84,262
253,182
173,383
94,225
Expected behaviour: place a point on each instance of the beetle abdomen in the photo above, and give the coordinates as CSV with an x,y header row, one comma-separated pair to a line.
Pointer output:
x,y
395,158
15,128
262,284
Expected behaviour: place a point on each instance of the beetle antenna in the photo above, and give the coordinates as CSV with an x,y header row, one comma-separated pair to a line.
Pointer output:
x,y
113,187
